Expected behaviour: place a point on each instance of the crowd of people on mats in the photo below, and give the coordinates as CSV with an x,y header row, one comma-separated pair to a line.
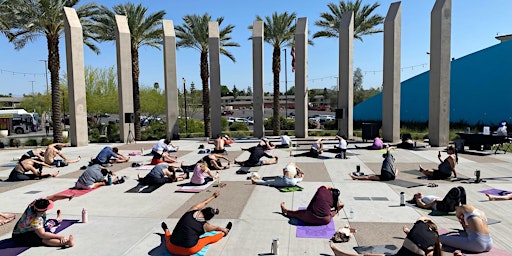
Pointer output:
x,y
193,230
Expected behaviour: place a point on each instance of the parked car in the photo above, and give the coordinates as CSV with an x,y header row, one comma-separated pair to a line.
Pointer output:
x,y
227,113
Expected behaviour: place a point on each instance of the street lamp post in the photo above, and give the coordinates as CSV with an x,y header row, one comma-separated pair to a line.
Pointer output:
x,y
185,103
285,85
46,74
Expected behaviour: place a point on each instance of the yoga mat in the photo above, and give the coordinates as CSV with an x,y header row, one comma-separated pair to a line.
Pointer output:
x,y
203,251
143,188
404,183
314,172
377,249
8,247
231,202
307,231
495,192
290,189
76,192
187,188
379,233
145,167
10,165
493,252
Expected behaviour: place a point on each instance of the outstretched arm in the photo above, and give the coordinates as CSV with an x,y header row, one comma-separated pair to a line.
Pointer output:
x,y
203,204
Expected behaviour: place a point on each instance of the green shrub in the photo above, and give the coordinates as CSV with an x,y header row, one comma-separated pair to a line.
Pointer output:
x,y
94,135
14,143
238,126
46,142
113,131
31,142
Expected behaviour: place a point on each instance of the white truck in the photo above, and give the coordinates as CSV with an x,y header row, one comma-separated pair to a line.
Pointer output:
x,y
18,121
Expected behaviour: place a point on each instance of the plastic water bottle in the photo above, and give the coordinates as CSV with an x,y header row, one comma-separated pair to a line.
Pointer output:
x,y
274,249
402,198
351,213
84,215
109,179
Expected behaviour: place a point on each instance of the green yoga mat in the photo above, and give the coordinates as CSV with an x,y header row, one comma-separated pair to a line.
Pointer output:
x,y
291,189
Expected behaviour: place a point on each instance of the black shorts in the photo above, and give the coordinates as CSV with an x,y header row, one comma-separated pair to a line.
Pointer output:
x,y
29,239
156,154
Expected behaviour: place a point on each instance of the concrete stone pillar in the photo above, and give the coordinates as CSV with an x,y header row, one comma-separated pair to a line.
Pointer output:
x,y
170,76
257,78
301,78
439,92
124,75
79,134
391,76
346,75
214,56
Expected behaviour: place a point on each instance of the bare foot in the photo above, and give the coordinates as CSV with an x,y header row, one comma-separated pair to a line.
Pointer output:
x,y
253,181
59,215
283,209
337,252
406,229
71,241
457,253
352,176
421,168
491,197
55,174
138,176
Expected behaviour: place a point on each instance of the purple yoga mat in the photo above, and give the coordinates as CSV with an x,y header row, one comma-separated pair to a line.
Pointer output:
x,y
8,247
323,231
495,192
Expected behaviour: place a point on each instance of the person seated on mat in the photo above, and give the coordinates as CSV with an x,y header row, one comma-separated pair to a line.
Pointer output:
x,y
30,231
292,175
218,144
455,197
109,155
36,154
54,150
286,141
6,218
421,240
213,162
322,208
498,198
163,145
257,152
445,168
186,237
267,144
475,236
202,175
376,145
314,151
161,174
228,140
95,176
30,169
341,148
407,142
388,171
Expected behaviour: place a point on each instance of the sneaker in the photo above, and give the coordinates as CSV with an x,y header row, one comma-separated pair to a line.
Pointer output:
x,y
164,226
229,225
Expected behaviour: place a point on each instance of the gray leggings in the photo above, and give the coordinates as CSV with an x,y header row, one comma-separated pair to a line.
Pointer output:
x,y
281,181
468,241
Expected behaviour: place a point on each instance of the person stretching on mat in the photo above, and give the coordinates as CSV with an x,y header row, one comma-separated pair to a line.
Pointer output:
x,y
314,151
160,152
218,143
30,231
475,237
25,165
257,152
54,150
212,160
95,176
455,197
185,238
498,198
388,170
323,207
421,240
445,168
161,174
202,175
108,156
291,176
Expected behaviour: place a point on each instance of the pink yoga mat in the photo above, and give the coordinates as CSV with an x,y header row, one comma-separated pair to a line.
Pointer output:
x,y
76,192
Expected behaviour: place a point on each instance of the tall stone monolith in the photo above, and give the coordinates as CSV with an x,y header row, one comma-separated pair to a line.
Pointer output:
x,y
301,78
214,58
257,78
346,75
171,82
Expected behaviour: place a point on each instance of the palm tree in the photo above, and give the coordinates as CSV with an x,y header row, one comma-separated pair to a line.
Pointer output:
x,y
364,20
24,20
145,30
194,34
278,31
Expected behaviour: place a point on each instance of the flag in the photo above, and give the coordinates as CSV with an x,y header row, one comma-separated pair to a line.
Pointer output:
x,y
292,52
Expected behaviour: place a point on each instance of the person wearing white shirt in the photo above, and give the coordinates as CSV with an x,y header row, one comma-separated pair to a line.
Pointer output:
x,y
502,129
286,141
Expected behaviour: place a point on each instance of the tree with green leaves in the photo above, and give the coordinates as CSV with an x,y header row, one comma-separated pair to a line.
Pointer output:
x,y
364,19
193,33
145,30
278,31
23,21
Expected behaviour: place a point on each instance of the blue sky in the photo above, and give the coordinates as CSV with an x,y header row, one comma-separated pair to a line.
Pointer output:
x,y
474,26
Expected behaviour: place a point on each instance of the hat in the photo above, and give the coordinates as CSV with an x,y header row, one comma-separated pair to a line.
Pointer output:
x,y
43,204
291,168
503,123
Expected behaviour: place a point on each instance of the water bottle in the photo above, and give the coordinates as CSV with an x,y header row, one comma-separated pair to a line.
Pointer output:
x,y
274,249
109,179
84,215
351,213
402,198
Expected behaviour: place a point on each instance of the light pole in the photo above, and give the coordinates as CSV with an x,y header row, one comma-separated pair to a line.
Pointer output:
x,y
185,103
285,85
32,87
46,74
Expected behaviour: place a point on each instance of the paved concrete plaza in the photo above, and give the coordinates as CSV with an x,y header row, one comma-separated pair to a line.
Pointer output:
x,y
129,223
